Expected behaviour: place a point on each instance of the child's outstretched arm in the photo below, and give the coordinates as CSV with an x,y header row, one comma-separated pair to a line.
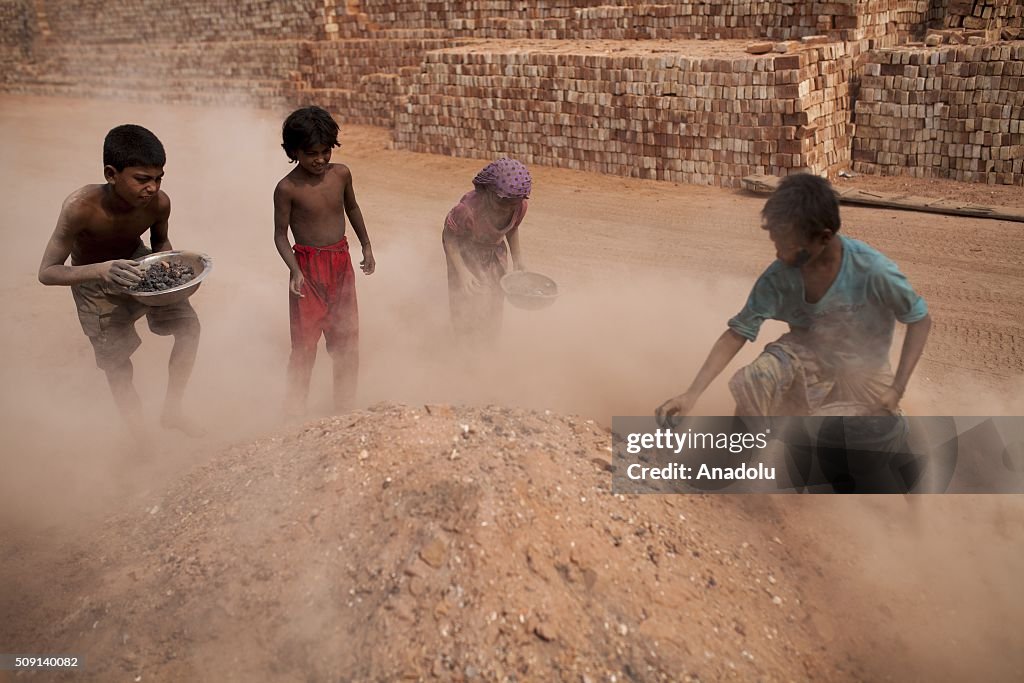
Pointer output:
x,y
282,218
913,347
355,217
721,354
52,270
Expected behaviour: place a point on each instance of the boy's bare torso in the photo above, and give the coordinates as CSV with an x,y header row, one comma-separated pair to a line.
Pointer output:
x,y
102,235
317,205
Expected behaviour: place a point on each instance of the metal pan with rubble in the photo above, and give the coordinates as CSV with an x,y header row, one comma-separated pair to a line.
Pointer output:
x,y
201,264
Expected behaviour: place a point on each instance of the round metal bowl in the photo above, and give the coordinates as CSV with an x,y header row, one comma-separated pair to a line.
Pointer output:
x,y
201,264
531,291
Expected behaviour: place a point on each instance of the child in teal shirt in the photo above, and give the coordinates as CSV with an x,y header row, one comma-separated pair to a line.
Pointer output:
x,y
841,299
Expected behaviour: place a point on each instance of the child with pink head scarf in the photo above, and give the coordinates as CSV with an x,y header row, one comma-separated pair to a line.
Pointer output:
x,y
474,238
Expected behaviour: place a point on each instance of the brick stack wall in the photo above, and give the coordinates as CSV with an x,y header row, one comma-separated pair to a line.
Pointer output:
x,y
342,64
984,14
255,73
592,84
694,112
628,20
166,21
952,112
936,13
883,23
17,32
362,79
634,21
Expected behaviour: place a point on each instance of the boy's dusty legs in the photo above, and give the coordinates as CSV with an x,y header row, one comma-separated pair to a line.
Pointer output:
x,y
300,371
346,375
179,369
343,345
127,399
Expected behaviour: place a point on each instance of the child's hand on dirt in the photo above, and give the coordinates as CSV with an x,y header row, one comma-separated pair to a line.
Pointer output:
x,y
368,264
678,406
295,284
889,400
121,272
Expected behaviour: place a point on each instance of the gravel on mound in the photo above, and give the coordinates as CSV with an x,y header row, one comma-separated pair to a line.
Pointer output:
x,y
431,542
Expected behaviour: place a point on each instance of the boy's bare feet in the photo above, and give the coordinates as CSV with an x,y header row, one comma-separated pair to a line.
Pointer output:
x,y
176,420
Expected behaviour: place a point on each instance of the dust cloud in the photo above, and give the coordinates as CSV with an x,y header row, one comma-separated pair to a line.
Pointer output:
x,y
931,583
615,342
924,587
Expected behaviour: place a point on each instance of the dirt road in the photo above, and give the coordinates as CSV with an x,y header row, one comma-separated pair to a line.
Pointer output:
x,y
650,272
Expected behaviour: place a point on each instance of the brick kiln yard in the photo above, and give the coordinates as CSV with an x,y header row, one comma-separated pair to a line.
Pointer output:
x,y
418,539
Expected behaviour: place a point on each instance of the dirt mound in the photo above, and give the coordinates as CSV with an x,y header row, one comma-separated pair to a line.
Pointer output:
x,y
402,543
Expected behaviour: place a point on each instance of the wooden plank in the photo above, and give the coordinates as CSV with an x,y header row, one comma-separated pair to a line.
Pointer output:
x,y
762,184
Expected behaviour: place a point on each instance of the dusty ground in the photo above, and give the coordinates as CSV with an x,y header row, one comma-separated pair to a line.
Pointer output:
x,y
233,556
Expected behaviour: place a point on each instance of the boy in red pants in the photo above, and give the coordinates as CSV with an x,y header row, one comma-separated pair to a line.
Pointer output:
x,y
313,199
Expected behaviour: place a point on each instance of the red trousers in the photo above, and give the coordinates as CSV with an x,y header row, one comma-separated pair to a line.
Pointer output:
x,y
328,307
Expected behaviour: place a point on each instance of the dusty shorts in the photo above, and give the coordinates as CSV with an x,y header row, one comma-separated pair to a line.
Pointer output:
x,y
789,378
108,318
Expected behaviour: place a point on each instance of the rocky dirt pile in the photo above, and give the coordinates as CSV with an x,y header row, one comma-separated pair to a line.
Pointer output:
x,y
427,543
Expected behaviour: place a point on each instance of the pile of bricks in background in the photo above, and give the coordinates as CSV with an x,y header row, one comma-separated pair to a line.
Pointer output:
x,y
17,29
695,112
373,104
141,21
685,20
257,73
625,19
362,79
688,111
984,14
883,22
951,112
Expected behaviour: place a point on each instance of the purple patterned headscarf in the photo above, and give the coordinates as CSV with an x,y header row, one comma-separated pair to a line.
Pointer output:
x,y
508,177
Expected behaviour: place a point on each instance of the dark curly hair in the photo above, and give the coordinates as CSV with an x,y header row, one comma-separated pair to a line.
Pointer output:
x,y
307,127
131,145
804,203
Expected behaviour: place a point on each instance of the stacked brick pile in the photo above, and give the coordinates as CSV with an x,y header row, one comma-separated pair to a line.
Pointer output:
x,y
258,73
632,19
777,19
371,101
953,112
340,64
486,77
935,13
883,22
137,21
690,112
690,20
432,13
362,79
16,30
985,14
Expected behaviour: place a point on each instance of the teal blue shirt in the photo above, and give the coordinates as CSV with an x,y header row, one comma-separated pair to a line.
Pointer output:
x,y
852,325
